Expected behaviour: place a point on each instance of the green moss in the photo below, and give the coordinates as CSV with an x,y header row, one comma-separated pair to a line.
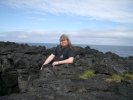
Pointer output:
x,y
87,74
119,77
128,76
114,78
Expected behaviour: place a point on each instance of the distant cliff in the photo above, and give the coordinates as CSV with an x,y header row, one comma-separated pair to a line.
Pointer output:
x,y
93,76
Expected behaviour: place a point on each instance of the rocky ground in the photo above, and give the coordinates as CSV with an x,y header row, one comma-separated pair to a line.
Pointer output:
x,y
93,76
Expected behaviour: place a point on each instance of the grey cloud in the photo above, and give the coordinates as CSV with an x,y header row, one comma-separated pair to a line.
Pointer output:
x,y
114,33
110,37
34,36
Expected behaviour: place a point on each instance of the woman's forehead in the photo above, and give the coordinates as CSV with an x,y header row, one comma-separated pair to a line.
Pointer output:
x,y
63,38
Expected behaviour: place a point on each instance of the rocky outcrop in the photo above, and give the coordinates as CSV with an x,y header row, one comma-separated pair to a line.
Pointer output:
x,y
21,78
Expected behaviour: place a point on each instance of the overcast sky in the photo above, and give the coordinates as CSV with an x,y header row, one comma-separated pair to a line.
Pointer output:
x,y
99,22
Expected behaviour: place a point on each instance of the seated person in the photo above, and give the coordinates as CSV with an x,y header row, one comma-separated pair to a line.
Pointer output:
x,y
63,54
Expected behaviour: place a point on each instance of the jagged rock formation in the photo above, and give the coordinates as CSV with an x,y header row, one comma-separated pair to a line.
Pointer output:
x,y
21,79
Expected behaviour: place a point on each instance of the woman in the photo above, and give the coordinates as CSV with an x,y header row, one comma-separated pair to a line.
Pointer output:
x,y
63,54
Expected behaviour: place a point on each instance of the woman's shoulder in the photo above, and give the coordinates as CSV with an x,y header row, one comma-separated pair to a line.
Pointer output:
x,y
58,46
71,47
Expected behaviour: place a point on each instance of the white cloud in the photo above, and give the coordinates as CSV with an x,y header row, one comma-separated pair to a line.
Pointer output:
x,y
112,10
108,37
36,19
22,36
114,33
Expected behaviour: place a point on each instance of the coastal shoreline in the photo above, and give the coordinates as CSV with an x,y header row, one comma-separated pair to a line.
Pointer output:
x,y
94,74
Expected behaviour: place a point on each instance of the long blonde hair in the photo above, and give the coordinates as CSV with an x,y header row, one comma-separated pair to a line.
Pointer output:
x,y
64,36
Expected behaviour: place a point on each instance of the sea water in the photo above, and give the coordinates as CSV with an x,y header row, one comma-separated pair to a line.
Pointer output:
x,y
123,51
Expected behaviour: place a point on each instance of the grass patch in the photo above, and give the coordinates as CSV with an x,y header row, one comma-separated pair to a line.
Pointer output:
x,y
87,74
119,77
128,76
114,78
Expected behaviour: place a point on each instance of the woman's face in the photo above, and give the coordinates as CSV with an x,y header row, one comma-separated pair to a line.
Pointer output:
x,y
64,42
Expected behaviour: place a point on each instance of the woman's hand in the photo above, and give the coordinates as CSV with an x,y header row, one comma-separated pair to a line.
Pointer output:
x,y
43,66
55,63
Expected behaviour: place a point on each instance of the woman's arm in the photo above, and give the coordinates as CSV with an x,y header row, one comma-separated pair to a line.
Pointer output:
x,y
48,60
66,61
